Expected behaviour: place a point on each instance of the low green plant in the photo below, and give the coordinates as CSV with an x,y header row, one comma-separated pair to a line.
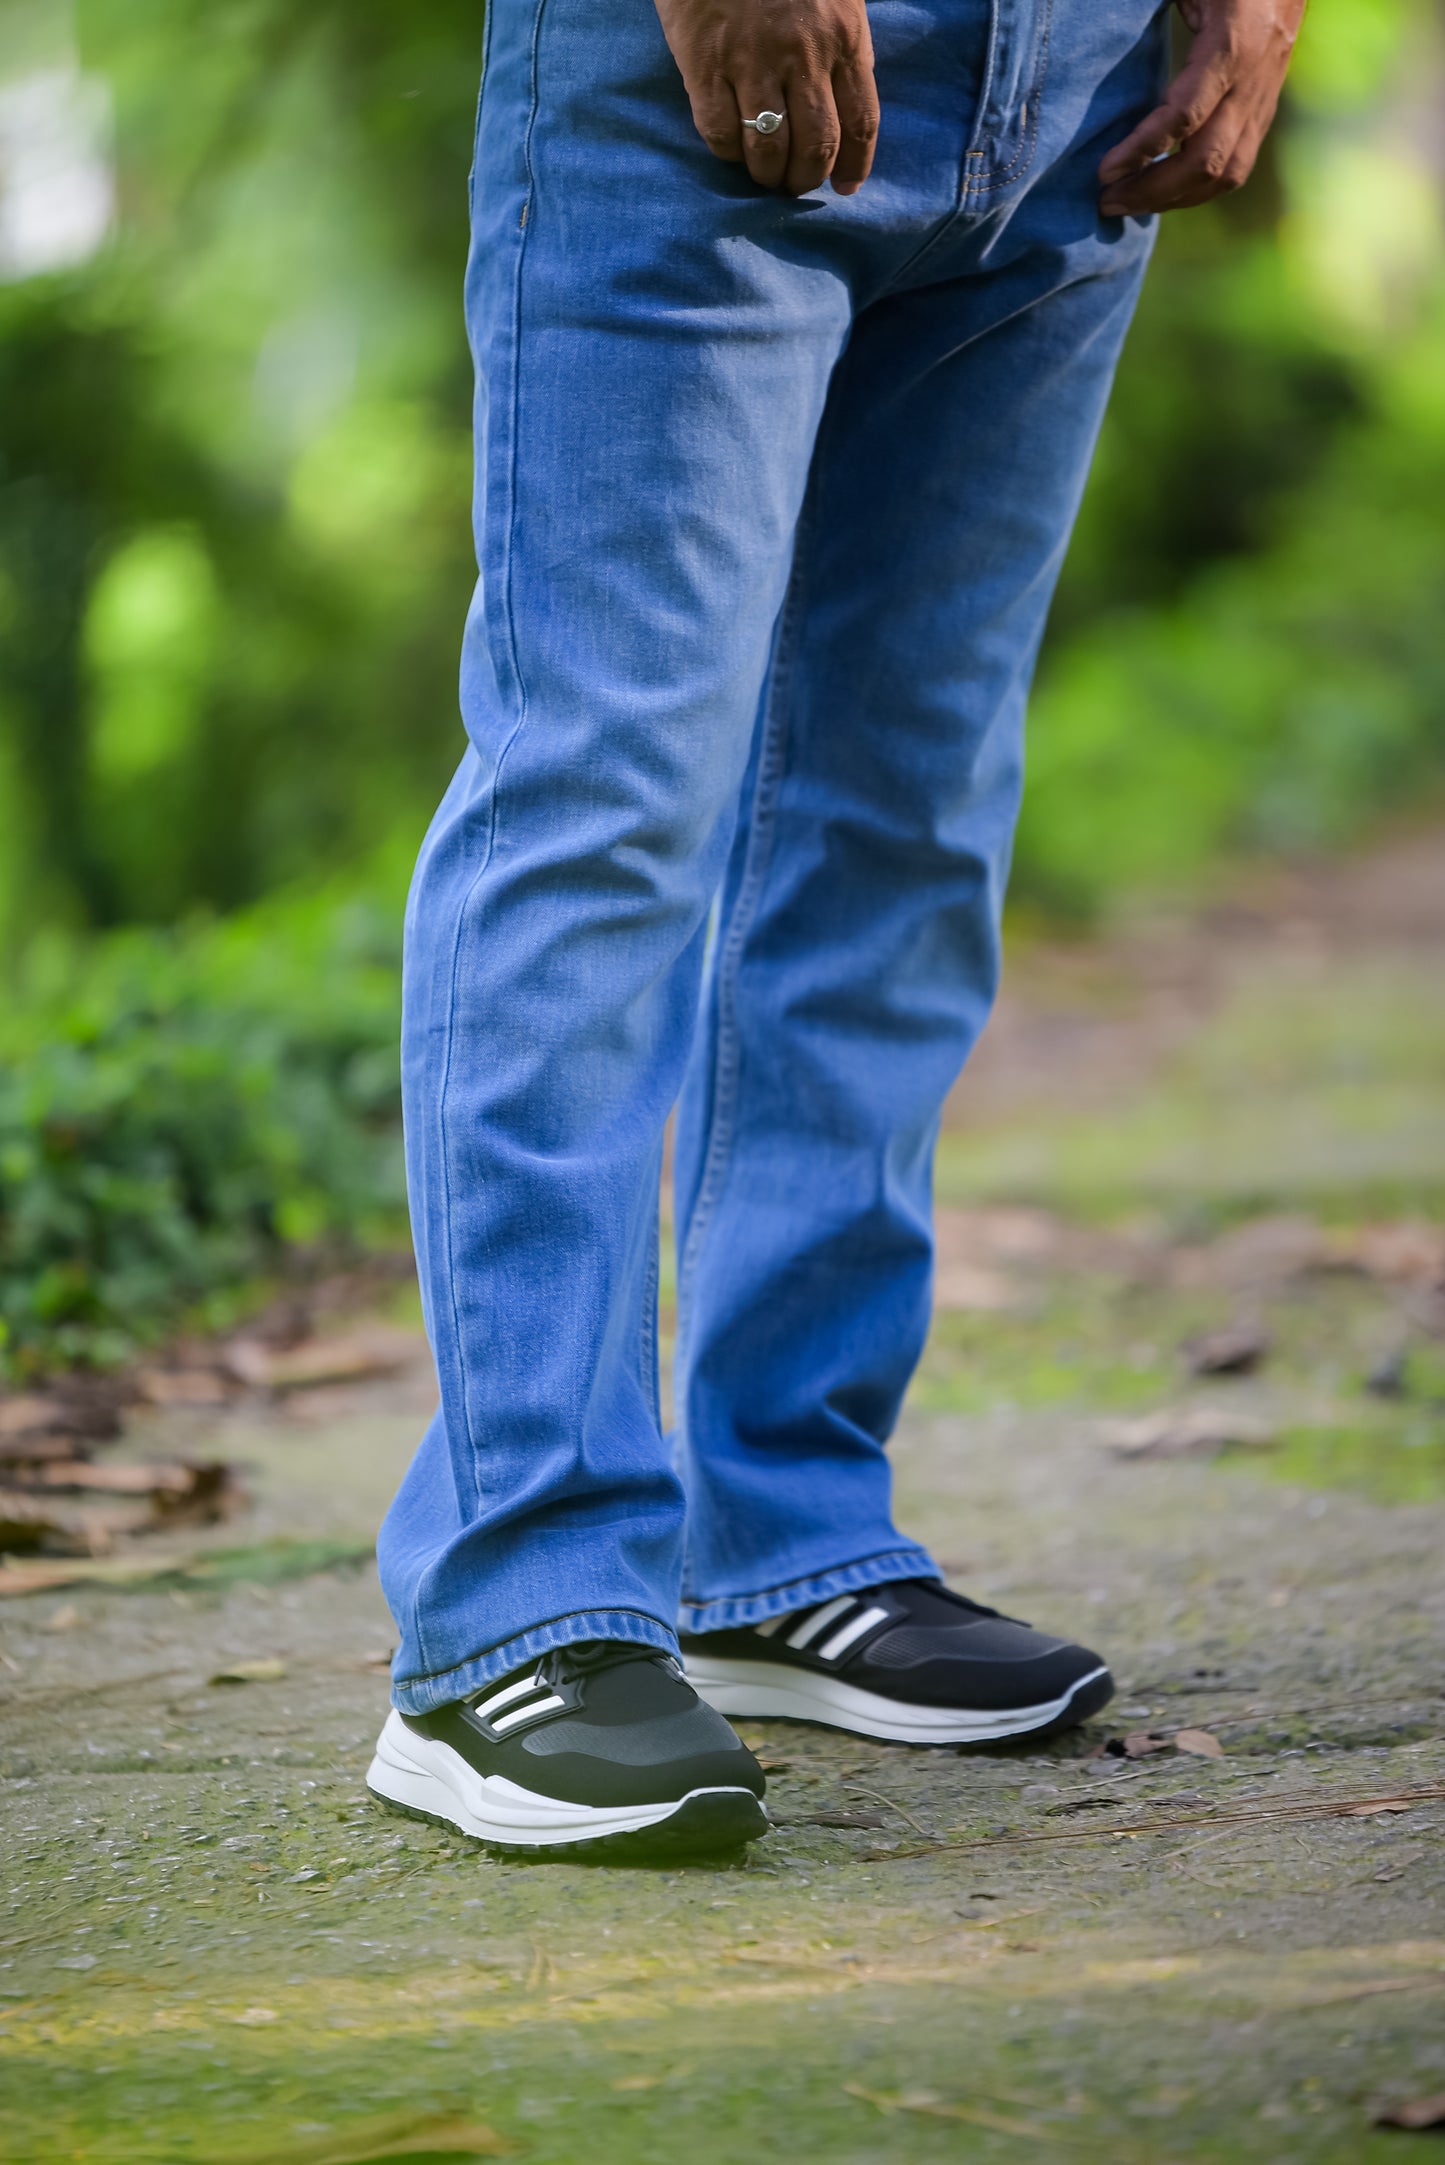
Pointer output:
x,y
1280,702
178,1108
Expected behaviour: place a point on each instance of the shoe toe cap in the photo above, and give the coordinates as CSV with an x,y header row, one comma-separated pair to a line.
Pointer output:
x,y
995,1664
646,1761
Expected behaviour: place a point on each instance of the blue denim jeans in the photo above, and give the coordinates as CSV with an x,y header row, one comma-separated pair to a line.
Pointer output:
x,y
771,495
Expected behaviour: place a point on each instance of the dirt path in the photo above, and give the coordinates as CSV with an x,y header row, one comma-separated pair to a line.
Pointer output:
x,y
215,1949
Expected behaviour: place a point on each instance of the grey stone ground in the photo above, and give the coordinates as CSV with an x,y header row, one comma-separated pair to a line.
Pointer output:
x,y
215,1948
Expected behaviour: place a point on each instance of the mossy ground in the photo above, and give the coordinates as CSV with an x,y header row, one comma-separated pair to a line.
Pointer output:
x,y
215,1947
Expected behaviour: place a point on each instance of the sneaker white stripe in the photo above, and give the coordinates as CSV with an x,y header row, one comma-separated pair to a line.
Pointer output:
x,y
525,1713
507,1694
853,1629
774,1623
821,1619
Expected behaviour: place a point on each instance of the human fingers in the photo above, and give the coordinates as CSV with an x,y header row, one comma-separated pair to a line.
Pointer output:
x,y
1190,101
814,135
717,120
1215,160
805,59
764,149
855,97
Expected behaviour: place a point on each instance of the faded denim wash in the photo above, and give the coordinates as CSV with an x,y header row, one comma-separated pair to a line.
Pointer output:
x,y
771,496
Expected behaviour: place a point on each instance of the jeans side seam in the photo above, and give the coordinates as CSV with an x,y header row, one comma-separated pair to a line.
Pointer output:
x,y
508,522
513,450
762,828
648,1336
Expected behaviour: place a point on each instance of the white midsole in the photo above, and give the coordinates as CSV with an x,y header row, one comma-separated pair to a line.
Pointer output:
x,y
763,1688
428,1776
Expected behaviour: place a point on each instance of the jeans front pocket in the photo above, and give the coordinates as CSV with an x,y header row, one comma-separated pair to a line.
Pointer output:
x,y
1006,128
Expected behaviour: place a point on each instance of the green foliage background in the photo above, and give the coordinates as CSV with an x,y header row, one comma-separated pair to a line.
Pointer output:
x,y
179,1107
235,559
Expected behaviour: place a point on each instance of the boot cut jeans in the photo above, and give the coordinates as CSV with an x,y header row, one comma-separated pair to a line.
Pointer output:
x,y
771,495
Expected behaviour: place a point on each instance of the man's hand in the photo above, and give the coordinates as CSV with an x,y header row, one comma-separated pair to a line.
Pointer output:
x,y
811,60
1215,114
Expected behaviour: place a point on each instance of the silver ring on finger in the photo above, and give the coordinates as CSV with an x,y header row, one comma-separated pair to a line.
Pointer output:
x,y
766,123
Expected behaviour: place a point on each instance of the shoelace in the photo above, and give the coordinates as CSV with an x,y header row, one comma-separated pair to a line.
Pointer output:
x,y
587,1657
979,1608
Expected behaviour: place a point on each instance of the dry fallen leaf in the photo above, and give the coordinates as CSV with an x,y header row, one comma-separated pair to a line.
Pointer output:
x,y
38,1507
1141,1742
266,1671
347,1359
65,1618
1235,1350
972,1286
1004,1234
181,1387
37,1577
1263,1252
180,1479
28,1416
28,1520
1403,1254
34,1449
1417,2113
1187,1432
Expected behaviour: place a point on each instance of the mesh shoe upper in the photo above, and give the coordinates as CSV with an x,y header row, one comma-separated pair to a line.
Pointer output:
x,y
915,1640
602,1724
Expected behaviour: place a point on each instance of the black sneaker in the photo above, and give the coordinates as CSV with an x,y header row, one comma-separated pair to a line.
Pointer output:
x,y
601,1747
909,1661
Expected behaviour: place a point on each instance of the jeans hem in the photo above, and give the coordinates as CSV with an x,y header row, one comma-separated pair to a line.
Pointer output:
x,y
732,1610
423,1694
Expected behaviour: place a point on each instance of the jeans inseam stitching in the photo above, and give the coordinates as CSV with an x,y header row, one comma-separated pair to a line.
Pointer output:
x,y
514,394
726,1064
